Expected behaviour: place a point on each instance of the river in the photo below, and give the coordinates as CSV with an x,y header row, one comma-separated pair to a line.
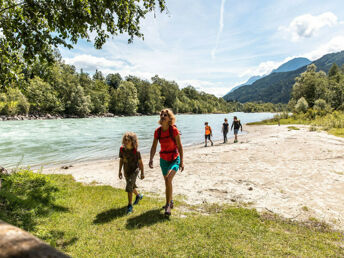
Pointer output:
x,y
65,141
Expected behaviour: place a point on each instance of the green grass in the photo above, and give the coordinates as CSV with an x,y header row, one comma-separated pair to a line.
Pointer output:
x,y
293,128
91,221
333,122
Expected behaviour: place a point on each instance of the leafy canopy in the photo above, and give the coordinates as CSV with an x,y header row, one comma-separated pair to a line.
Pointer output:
x,y
30,28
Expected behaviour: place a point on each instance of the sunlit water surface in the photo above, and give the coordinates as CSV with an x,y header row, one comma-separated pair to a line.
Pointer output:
x,y
53,142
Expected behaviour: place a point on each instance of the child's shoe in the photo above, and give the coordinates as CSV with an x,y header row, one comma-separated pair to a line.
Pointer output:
x,y
212,144
130,209
138,199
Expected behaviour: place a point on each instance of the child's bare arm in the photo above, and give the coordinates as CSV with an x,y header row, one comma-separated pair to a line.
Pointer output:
x,y
142,169
120,168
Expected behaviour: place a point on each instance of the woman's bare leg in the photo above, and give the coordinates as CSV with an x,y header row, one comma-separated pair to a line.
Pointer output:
x,y
169,189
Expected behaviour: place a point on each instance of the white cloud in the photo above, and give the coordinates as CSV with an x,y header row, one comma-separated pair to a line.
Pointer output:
x,y
307,25
216,88
222,9
91,63
262,69
336,44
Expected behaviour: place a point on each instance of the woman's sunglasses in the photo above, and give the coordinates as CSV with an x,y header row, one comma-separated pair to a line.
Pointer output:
x,y
163,115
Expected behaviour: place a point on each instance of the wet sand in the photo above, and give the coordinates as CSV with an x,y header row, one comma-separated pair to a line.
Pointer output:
x,y
297,174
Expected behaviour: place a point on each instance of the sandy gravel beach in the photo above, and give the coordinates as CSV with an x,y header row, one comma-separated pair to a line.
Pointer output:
x,y
297,174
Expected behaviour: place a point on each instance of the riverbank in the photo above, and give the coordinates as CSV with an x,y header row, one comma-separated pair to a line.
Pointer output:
x,y
297,174
48,117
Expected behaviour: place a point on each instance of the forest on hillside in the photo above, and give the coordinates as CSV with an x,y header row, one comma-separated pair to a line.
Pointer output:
x,y
59,89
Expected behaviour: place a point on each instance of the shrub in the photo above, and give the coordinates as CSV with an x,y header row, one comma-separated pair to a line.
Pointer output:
x,y
13,102
301,105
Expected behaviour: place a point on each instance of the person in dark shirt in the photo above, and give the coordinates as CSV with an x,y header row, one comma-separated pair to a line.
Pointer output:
x,y
225,127
130,159
237,125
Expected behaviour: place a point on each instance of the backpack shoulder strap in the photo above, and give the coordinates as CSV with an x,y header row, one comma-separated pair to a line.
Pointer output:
x,y
159,133
171,133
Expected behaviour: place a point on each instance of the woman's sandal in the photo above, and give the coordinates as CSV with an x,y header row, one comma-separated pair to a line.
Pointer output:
x,y
171,205
167,213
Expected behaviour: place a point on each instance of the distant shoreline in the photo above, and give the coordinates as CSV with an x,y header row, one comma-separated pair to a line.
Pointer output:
x,y
106,115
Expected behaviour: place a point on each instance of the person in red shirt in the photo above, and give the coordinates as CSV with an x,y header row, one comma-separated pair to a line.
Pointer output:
x,y
171,152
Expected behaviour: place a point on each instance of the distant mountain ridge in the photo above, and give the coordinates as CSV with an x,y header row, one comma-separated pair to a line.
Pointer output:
x,y
291,65
249,82
276,87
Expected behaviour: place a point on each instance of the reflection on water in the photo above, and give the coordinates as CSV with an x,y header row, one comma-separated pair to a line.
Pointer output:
x,y
49,142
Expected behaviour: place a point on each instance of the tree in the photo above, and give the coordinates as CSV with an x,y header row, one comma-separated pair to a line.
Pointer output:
x,y
301,105
42,97
99,94
30,28
13,102
169,90
113,80
310,85
126,100
98,75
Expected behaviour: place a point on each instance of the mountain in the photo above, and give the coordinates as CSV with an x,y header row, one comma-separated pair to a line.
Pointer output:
x,y
249,82
291,65
276,87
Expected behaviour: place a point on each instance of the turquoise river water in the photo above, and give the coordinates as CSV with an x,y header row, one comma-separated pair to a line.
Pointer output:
x,y
65,141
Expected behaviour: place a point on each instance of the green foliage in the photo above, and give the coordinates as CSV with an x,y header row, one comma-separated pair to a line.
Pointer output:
x,y
25,196
332,122
321,91
32,28
113,80
125,99
59,89
42,97
13,102
99,96
301,105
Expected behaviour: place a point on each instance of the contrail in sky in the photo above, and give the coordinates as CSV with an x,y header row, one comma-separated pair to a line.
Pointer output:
x,y
220,28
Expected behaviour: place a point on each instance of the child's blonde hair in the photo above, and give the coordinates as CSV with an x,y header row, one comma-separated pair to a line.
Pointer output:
x,y
170,115
131,137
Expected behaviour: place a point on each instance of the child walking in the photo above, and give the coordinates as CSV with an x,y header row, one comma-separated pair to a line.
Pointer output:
x,y
208,134
130,157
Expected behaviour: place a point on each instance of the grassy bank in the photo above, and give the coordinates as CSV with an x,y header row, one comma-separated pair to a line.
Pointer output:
x,y
333,122
90,221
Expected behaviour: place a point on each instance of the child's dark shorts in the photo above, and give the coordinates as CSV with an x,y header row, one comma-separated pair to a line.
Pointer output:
x,y
130,179
207,136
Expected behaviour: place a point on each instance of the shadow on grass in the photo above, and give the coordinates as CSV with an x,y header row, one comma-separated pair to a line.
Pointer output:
x,y
146,219
59,239
110,215
25,196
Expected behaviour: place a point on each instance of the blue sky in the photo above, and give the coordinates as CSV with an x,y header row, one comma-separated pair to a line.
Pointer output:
x,y
215,45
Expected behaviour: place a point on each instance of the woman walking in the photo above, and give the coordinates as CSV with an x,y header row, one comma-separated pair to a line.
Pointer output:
x,y
171,154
